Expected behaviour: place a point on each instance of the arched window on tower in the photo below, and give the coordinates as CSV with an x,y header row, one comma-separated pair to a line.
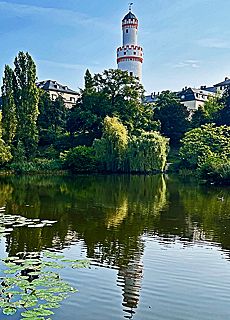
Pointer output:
x,y
127,30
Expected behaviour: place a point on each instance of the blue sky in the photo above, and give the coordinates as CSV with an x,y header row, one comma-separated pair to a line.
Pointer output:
x,y
186,43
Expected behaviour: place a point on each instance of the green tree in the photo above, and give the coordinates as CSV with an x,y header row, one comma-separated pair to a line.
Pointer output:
x,y
147,152
80,159
111,147
208,112
9,120
45,110
222,116
204,142
173,116
5,154
115,94
26,101
58,114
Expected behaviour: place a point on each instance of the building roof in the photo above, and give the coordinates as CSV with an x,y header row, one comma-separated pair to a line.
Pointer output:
x,y
149,99
130,15
223,83
191,94
54,86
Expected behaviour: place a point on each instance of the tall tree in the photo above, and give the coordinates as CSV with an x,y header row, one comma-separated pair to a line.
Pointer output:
x,y
9,120
115,94
44,108
222,116
58,113
26,100
173,116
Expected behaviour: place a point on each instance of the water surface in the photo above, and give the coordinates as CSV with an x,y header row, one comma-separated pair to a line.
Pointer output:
x,y
159,245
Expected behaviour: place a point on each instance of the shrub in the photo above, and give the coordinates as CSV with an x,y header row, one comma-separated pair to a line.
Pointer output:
x,y
80,159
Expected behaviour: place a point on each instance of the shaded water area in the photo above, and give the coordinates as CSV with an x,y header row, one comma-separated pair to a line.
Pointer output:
x,y
158,245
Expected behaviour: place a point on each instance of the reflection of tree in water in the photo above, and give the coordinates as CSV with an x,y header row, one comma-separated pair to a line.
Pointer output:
x,y
109,212
208,218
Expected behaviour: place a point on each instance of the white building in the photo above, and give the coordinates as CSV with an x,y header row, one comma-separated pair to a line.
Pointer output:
x,y
130,55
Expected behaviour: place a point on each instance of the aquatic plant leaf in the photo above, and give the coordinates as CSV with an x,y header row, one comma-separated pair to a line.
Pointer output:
x,y
14,293
59,257
54,299
9,311
4,304
34,273
30,314
29,297
58,266
30,304
50,305
38,282
19,303
9,264
43,312
69,260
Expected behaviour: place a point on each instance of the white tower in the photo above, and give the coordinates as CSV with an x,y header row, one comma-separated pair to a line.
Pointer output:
x,y
130,55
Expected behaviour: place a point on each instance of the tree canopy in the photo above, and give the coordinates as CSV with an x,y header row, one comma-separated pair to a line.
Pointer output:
x,y
173,116
206,141
112,93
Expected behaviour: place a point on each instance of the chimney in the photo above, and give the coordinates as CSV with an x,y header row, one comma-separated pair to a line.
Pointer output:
x,y
185,88
152,96
226,78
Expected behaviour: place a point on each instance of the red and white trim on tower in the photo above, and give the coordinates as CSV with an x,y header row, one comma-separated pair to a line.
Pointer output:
x,y
130,55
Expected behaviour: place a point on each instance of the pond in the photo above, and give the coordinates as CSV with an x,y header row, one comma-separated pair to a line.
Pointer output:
x,y
134,247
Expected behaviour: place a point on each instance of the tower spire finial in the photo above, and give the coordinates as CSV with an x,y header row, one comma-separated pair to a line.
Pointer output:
x,y
130,6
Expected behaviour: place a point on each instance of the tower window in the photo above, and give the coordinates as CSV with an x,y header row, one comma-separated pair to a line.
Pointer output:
x,y
124,53
127,30
134,53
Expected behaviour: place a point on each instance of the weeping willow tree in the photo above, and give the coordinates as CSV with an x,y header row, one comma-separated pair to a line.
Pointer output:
x,y
111,148
147,152
118,152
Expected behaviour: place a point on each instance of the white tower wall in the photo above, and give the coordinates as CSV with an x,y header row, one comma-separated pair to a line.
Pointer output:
x,y
130,56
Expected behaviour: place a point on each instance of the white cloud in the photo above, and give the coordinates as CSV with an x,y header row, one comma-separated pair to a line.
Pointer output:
x,y
214,43
63,17
187,63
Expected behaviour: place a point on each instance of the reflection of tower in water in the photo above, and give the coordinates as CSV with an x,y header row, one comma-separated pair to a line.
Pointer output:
x,y
129,278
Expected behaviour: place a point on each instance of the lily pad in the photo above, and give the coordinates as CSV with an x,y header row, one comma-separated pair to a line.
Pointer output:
x,y
50,305
9,311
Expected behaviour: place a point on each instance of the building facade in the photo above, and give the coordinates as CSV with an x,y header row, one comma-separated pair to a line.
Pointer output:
x,y
130,55
56,89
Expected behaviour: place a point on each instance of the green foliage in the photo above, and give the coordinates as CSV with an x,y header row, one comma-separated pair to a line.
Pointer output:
x,y
202,143
215,170
148,152
26,101
44,107
58,114
222,116
111,148
173,116
80,159
112,93
47,137
5,151
208,112
50,152
33,287
9,120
